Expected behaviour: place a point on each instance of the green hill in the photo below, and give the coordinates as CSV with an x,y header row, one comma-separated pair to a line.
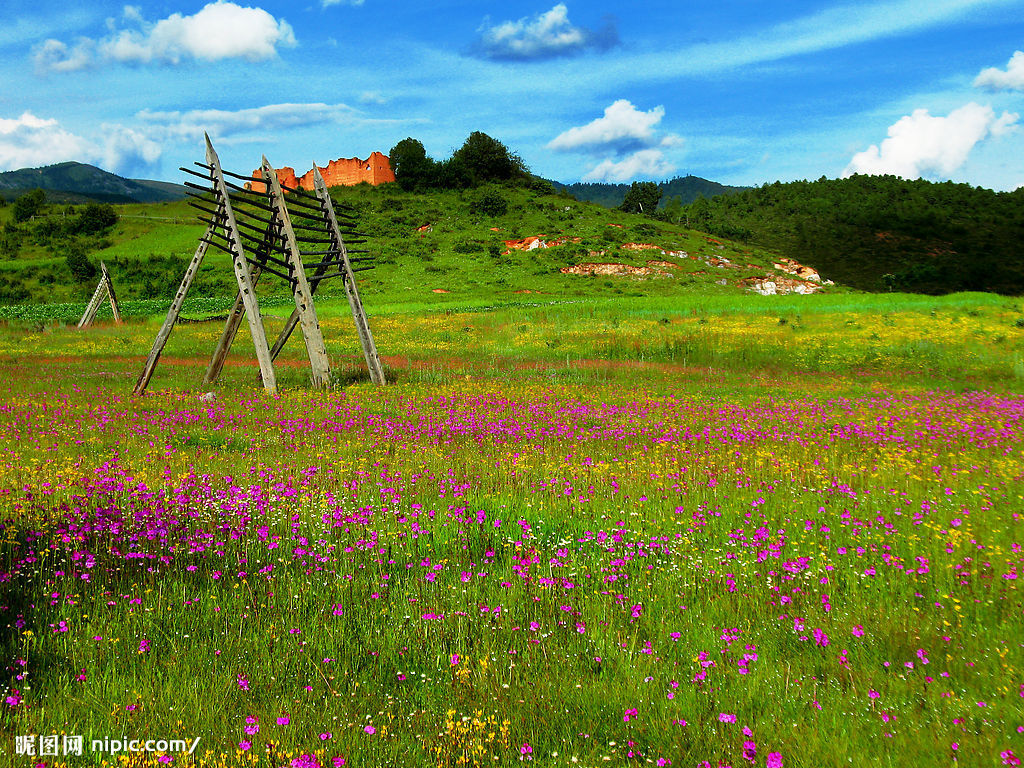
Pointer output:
x,y
686,188
432,247
881,232
72,182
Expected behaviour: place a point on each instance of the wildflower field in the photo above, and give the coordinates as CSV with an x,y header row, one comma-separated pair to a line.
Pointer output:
x,y
765,533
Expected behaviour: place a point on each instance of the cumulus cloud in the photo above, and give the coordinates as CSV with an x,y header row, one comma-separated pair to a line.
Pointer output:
x,y
623,128
629,135
55,56
645,163
127,151
545,36
220,30
29,141
1012,78
923,144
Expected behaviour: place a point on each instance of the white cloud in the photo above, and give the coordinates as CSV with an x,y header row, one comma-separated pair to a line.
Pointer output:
x,y
629,135
128,151
1012,78
923,144
329,3
373,97
649,163
221,123
220,30
55,56
623,125
29,141
545,36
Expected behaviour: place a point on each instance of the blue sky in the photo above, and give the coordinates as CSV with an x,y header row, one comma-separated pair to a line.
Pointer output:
x,y
739,92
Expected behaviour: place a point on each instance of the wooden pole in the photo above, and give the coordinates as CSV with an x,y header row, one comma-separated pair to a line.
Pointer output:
x,y
234,321
93,305
110,293
227,338
311,333
242,275
172,314
358,315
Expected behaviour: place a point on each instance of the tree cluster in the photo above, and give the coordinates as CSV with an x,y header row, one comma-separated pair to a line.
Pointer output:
x,y
65,232
480,160
642,197
881,232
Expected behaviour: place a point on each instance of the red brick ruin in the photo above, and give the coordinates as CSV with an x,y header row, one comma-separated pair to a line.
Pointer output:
x,y
344,172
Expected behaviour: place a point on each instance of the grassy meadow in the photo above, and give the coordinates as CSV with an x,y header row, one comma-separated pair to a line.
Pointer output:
x,y
606,522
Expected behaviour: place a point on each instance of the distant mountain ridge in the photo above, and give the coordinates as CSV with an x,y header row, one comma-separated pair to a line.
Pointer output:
x,y
686,188
74,182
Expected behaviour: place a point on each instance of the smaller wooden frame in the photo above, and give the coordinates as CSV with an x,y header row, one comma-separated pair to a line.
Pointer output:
x,y
104,290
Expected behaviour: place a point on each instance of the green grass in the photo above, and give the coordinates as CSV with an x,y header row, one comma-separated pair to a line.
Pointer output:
x,y
684,458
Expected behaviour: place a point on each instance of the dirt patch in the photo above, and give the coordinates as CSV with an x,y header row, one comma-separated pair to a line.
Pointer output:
x,y
534,242
654,269
791,267
641,247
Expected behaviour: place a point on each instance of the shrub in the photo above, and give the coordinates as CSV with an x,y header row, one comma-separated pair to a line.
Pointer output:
x,y
82,269
28,205
489,202
96,217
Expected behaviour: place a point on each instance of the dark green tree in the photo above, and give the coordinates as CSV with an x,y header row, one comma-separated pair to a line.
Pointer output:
x,y
413,170
10,240
642,197
96,217
29,205
82,269
486,159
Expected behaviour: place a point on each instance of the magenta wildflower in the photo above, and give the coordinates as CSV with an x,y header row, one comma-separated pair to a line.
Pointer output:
x,y
774,760
749,751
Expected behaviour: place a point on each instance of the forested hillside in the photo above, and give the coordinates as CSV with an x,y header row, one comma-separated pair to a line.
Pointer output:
x,y
72,182
881,232
684,188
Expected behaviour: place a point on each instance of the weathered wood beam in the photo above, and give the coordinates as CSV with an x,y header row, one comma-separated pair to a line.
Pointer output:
x,y
110,293
242,274
311,333
93,306
373,363
172,317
